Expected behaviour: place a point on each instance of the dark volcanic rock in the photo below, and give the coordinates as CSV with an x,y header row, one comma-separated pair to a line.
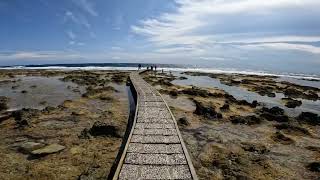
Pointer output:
x,y
182,78
292,103
173,93
274,110
272,117
254,104
264,91
207,112
294,93
23,116
225,107
243,102
274,114
102,129
314,166
183,121
290,92
249,120
310,118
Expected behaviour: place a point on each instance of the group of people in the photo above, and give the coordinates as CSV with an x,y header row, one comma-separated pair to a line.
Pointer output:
x,y
154,67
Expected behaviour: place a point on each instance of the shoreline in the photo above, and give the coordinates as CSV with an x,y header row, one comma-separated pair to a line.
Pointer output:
x,y
300,76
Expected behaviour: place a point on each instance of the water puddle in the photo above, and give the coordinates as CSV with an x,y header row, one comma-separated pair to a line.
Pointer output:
x,y
39,92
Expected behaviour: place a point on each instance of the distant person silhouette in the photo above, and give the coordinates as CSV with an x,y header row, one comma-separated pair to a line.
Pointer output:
x,y
151,68
139,66
155,68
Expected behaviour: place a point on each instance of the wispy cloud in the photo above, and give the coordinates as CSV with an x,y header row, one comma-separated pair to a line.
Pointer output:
x,y
118,21
71,34
76,43
198,24
37,55
268,39
285,46
76,19
86,6
116,48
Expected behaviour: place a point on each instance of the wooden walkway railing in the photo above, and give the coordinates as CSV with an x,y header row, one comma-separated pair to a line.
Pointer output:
x,y
154,149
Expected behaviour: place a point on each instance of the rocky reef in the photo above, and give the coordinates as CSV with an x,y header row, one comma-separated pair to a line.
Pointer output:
x,y
78,139
265,85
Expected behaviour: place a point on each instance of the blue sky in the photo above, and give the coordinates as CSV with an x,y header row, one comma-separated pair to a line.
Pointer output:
x,y
278,35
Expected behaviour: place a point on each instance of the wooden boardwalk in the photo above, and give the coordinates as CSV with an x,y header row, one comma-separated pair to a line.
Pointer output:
x,y
155,149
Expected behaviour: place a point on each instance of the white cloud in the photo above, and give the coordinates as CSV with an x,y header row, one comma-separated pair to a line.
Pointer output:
x,y
270,39
86,6
201,7
286,46
194,22
37,55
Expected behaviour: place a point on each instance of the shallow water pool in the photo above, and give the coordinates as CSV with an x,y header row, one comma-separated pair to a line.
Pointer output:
x,y
243,94
40,92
